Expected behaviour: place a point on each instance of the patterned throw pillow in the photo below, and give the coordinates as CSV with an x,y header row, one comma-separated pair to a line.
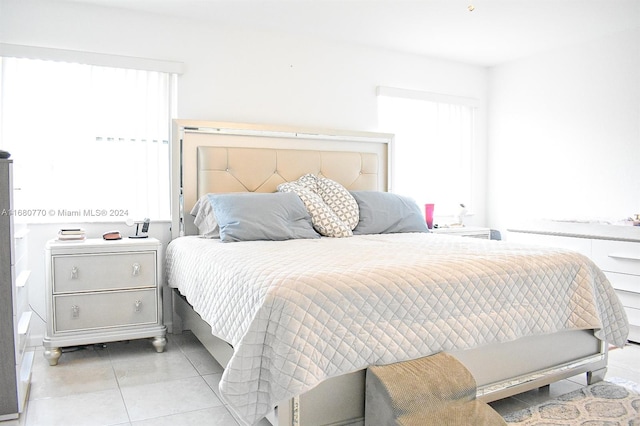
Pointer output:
x,y
332,213
309,181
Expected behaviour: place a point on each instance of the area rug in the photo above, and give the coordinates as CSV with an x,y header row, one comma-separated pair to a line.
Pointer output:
x,y
614,402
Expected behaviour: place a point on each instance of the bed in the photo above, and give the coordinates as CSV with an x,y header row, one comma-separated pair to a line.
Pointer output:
x,y
296,322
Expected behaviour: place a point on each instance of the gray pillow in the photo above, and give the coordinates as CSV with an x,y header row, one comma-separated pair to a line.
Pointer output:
x,y
258,216
387,213
205,218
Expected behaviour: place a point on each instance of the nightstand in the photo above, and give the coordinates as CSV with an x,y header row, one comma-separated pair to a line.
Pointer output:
x,y
102,291
465,231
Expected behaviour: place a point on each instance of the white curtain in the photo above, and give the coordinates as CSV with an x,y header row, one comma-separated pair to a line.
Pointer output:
x,y
87,140
433,150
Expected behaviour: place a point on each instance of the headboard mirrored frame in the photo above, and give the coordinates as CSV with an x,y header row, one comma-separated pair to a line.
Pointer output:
x,y
209,156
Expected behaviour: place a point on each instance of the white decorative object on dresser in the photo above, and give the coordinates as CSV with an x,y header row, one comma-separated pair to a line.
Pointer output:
x,y
102,291
16,359
465,231
615,249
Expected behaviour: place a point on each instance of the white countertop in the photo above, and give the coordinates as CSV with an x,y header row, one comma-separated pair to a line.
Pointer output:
x,y
580,230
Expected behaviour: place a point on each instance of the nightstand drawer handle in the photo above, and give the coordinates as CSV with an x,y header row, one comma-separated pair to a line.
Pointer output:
x,y
75,311
138,305
136,269
74,273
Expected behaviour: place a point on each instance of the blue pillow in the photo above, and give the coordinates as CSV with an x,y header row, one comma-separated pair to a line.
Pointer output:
x,y
387,213
249,216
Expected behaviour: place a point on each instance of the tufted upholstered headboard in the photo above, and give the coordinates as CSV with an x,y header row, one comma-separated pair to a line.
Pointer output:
x,y
235,157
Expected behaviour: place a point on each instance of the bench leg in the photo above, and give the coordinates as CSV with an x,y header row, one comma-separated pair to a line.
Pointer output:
x,y
596,376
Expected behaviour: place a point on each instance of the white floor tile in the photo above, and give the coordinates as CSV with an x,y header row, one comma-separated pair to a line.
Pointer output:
x,y
186,341
145,368
168,398
72,376
215,416
86,409
202,360
626,358
624,373
213,380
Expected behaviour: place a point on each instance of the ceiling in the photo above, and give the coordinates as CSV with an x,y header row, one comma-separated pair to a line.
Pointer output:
x,y
496,31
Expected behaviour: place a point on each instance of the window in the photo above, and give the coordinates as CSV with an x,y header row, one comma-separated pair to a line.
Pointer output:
x,y
433,147
89,143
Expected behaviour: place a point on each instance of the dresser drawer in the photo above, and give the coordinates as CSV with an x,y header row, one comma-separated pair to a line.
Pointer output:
x,y
93,272
21,250
634,316
629,300
103,310
24,330
624,282
617,256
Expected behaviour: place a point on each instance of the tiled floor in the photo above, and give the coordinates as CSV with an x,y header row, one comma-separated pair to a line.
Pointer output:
x,y
131,384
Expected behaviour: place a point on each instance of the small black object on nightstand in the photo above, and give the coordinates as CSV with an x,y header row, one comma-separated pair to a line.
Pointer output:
x,y
143,231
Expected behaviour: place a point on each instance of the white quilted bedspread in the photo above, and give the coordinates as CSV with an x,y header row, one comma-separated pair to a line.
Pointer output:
x,y
300,311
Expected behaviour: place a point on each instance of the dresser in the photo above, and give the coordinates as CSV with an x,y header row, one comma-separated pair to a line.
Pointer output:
x,y
16,358
102,291
615,249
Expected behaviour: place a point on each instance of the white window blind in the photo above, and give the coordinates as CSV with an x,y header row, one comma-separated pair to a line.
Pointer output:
x,y
433,147
89,143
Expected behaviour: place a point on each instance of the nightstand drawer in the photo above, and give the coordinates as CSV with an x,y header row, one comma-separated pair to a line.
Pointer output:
x,y
102,310
617,256
92,272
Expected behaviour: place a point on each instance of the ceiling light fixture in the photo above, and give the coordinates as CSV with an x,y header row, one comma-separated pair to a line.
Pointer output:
x,y
471,8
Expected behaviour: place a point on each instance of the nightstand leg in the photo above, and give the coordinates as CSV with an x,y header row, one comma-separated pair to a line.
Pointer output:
x,y
52,355
159,343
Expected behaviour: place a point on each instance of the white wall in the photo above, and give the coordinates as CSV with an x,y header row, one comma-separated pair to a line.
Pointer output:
x,y
243,76
564,134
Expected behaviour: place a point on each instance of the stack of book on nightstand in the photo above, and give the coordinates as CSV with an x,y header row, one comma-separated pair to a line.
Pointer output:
x,y
71,234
